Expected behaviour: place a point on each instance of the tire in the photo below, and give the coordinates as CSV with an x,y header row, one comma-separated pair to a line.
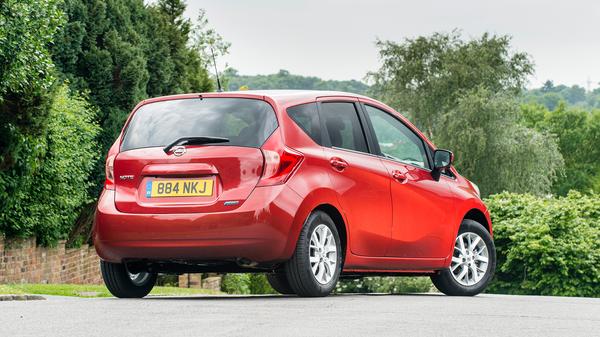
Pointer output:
x,y
119,282
299,269
279,282
449,280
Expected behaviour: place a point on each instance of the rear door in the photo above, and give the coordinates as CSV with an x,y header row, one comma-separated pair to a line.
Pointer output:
x,y
421,205
192,178
360,178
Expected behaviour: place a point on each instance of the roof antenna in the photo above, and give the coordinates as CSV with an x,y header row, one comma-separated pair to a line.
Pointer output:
x,y
219,88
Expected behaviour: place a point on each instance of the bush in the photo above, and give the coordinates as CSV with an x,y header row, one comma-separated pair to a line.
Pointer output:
x,y
547,246
246,284
235,284
391,285
46,202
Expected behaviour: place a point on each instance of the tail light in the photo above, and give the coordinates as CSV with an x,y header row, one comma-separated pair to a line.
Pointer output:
x,y
109,183
280,161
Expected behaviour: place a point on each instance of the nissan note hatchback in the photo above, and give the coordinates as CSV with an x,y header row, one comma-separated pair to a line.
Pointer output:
x,y
306,186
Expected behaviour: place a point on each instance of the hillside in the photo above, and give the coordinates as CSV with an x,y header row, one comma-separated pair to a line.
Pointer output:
x,y
285,80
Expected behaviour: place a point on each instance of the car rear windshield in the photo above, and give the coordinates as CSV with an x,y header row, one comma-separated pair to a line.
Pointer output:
x,y
245,122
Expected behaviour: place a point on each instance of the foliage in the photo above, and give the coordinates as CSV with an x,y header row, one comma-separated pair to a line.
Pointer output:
x,y
578,134
26,28
494,150
47,203
546,245
246,284
123,51
551,95
235,283
26,75
284,80
463,95
204,38
425,77
391,285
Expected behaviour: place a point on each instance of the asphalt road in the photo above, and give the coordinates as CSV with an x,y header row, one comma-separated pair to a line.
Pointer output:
x,y
344,315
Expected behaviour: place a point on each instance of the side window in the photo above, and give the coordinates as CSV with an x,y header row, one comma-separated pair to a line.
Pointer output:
x,y
343,126
307,118
396,140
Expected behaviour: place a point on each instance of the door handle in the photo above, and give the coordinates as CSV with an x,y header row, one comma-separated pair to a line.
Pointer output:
x,y
338,163
399,176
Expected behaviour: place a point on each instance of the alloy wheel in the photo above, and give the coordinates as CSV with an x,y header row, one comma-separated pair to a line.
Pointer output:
x,y
323,254
470,259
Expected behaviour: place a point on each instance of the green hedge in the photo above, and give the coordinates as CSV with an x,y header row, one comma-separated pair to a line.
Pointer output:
x,y
246,284
546,246
390,285
45,201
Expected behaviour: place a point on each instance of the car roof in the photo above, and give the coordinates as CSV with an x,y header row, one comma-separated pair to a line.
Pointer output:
x,y
282,97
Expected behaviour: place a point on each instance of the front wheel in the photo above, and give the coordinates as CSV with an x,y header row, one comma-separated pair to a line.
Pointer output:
x,y
316,265
123,284
473,262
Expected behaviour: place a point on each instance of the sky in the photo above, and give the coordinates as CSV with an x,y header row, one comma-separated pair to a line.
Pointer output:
x,y
335,39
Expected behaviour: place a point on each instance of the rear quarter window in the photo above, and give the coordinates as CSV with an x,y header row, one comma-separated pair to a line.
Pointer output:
x,y
307,118
245,122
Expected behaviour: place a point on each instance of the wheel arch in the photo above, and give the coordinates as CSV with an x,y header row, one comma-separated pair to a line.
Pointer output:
x,y
476,214
325,200
339,222
473,210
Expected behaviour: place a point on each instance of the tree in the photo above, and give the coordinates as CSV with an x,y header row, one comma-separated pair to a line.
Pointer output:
x,y
547,87
550,96
285,80
494,150
47,204
426,76
578,134
463,94
26,77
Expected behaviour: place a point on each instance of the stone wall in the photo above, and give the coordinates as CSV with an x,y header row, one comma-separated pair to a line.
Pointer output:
x,y
22,261
211,281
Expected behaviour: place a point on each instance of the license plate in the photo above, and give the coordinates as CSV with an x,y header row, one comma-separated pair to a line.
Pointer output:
x,y
179,188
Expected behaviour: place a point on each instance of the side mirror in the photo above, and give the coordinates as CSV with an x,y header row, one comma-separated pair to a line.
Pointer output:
x,y
442,159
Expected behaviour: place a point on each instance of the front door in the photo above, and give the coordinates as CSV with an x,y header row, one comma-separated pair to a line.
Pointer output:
x,y
422,206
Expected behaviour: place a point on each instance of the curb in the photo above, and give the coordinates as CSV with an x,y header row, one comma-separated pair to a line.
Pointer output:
x,y
21,297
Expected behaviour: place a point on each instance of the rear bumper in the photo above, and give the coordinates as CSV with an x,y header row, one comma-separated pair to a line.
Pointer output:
x,y
258,230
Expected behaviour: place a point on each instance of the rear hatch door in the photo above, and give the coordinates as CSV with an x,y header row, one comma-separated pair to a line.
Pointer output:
x,y
192,176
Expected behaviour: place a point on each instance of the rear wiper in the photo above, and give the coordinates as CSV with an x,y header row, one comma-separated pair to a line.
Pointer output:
x,y
195,141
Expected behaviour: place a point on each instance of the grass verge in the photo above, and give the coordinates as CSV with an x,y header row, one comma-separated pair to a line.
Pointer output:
x,y
79,290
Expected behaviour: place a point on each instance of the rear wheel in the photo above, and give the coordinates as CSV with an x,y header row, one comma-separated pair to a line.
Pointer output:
x,y
315,267
123,284
473,262
280,283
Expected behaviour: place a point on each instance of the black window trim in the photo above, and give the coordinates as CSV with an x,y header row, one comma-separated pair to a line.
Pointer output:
x,y
424,144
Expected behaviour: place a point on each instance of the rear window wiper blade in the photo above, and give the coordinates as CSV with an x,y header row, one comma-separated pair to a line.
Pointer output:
x,y
195,141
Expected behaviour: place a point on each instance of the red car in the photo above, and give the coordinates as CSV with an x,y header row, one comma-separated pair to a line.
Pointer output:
x,y
306,186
